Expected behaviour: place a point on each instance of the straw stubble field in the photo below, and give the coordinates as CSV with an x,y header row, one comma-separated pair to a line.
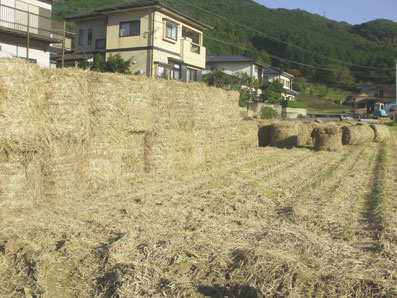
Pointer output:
x,y
270,222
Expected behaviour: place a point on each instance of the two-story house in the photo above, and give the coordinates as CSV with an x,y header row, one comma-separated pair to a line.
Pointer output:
x,y
365,101
157,37
233,65
28,31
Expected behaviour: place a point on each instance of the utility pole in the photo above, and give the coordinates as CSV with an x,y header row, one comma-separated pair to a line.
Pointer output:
x,y
28,38
63,44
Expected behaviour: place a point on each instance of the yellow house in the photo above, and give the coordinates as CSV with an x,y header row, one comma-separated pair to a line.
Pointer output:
x,y
159,38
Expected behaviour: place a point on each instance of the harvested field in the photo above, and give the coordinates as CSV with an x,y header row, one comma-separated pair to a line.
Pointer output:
x,y
268,223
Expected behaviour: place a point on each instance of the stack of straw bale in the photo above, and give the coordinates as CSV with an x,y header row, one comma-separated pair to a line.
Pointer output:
x,y
328,138
22,125
69,132
284,134
382,133
357,134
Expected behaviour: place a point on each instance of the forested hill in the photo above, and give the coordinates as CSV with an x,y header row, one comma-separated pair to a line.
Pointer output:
x,y
327,43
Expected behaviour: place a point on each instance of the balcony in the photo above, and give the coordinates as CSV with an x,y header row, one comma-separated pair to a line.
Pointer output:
x,y
21,23
193,54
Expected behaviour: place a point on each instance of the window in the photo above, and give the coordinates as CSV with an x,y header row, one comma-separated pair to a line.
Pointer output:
x,y
81,37
191,75
132,28
171,31
171,72
89,40
100,43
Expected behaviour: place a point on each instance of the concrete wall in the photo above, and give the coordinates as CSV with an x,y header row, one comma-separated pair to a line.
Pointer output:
x,y
289,113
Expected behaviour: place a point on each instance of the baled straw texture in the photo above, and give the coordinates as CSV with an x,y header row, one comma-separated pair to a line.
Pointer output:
x,y
248,135
382,133
305,133
284,134
357,134
264,132
328,138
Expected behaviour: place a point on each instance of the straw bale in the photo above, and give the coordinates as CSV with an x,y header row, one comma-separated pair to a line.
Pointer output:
x,y
357,134
120,101
67,95
305,134
284,134
328,138
382,133
63,169
21,119
20,175
248,135
264,129
168,150
172,106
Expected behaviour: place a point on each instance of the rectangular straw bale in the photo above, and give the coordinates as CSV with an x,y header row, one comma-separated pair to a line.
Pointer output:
x,y
327,138
67,103
248,135
167,150
121,101
21,119
382,133
357,134
20,175
172,105
63,170
133,155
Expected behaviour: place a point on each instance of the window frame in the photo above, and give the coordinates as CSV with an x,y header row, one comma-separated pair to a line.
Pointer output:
x,y
98,40
173,25
81,37
130,28
89,36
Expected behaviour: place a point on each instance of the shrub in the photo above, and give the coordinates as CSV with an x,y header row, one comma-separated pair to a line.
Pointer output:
x,y
268,113
300,116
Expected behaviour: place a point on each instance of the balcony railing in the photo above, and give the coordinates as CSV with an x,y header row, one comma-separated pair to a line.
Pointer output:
x,y
195,48
21,22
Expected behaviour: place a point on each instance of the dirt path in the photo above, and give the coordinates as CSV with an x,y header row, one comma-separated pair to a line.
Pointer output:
x,y
272,222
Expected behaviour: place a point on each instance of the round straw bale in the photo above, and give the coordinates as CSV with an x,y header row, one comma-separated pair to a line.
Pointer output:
x,y
382,133
264,130
328,137
305,137
357,134
284,134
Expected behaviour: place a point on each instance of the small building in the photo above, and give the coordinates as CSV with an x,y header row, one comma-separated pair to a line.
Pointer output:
x,y
234,65
28,31
160,40
364,102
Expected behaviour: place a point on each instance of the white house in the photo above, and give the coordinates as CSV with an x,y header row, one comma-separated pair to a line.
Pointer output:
x,y
233,65
28,31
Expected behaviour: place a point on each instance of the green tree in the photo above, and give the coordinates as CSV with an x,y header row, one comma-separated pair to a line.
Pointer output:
x,y
113,64
273,91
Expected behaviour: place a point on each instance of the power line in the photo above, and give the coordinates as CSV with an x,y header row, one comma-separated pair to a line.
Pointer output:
x,y
270,55
281,41
295,62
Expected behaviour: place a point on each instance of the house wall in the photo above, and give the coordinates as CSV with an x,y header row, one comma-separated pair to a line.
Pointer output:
x,y
14,46
375,92
231,68
98,27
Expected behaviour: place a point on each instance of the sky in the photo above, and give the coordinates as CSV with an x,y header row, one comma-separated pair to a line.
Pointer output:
x,y
351,11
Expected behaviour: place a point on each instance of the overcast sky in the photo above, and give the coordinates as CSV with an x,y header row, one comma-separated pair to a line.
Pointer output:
x,y
351,11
